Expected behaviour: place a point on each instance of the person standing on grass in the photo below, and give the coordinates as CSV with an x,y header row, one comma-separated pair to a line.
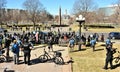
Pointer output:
x,y
102,37
93,42
88,41
83,39
109,56
108,42
71,44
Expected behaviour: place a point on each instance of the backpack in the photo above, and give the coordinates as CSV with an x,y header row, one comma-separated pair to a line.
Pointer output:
x,y
26,46
14,48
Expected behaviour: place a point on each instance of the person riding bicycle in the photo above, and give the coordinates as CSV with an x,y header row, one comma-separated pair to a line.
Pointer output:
x,y
71,44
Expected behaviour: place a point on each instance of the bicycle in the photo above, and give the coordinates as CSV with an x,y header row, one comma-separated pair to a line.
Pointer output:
x,y
2,57
6,70
57,58
117,59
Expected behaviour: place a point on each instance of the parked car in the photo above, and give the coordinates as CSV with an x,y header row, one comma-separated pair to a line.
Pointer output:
x,y
114,35
2,30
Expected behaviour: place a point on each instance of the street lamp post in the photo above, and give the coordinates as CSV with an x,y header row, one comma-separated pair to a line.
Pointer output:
x,y
80,20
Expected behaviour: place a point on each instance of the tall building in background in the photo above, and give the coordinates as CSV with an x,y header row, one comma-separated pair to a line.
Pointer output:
x,y
108,11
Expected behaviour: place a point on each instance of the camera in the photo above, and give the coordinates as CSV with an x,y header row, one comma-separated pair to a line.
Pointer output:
x,y
114,50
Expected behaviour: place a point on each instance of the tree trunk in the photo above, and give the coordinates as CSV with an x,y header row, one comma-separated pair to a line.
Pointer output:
x,y
34,26
17,23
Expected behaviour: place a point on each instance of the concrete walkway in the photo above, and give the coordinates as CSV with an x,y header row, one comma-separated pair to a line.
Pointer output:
x,y
37,66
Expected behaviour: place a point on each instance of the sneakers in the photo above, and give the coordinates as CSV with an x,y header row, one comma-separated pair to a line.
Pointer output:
x,y
16,63
105,68
112,67
29,63
25,62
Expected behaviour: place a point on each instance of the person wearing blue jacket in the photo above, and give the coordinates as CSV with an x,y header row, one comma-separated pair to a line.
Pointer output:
x,y
108,42
15,50
71,44
93,42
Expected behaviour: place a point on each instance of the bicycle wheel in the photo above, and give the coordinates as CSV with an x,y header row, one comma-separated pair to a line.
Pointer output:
x,y
59,60
43,58
116,60
3,58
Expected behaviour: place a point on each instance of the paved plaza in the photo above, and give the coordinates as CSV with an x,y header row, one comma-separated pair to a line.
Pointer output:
x,y
36,65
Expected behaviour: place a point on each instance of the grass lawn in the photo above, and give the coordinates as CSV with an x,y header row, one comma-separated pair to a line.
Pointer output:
x,y
104,30
89,61
75,27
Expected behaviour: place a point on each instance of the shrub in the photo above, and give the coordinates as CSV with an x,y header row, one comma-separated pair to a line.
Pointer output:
x,y
100,26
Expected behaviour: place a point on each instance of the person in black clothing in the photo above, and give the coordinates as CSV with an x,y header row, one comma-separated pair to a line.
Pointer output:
x,y
27,46
109,56
7,45
88,41
50,43
83,39
102,38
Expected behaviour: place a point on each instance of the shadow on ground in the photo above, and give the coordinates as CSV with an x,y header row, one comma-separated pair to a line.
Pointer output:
x,y
99,49
115,66
79,50
61,50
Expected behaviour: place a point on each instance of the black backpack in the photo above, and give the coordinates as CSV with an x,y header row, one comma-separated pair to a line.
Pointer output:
x,y
26,46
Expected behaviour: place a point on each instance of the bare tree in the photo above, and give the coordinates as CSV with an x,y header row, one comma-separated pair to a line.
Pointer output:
x,y
56,18
18,16
34,8
117,13
101,16
2,10
83,6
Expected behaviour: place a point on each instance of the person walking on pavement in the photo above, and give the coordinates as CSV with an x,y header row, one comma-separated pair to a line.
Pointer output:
x,y
15,50
109,56
27,46
93,42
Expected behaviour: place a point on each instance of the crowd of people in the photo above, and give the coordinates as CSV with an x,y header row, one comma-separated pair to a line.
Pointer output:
x,y
91,41
16,42
25,42
86,41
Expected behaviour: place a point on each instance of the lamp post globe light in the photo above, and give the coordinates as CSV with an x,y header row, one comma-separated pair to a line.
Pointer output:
x,y
80,19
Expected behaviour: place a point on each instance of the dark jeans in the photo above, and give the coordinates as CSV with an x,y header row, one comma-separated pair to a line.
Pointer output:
x,y
108,61
50,47
7,53
27,57
93,46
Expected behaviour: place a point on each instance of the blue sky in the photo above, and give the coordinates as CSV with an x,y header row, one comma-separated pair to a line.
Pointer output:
x,y
52,6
